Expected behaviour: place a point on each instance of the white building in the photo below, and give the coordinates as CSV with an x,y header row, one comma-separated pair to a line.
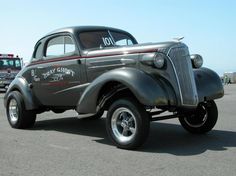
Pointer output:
x,y
231,76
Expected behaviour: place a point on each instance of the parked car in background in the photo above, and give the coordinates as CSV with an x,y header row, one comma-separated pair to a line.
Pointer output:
x,y
93,69
9,67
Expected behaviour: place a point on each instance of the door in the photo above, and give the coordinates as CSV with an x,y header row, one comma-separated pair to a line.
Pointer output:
x,y
58,73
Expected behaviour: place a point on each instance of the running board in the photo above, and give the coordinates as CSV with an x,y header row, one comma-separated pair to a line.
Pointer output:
x,y
164,117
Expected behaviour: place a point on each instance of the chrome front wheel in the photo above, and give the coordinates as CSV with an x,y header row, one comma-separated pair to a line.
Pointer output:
x,y
123,124
127,123
202,120
199,118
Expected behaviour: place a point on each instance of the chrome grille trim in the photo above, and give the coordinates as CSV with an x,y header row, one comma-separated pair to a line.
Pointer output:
x,y
184,75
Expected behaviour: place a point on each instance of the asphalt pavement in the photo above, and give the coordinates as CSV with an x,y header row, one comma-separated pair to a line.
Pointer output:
x,y
60,144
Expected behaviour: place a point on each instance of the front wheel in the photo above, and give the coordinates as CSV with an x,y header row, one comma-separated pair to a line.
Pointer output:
x,y
202,120
127,123
17,115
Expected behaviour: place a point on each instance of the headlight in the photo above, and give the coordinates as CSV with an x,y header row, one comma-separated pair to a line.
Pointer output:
x,y
159,60
197,60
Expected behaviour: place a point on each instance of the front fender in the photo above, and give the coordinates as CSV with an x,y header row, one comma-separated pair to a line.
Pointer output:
x,y
21,85
148,91
209,85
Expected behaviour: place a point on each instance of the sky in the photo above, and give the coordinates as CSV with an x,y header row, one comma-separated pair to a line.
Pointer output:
x,y
208,26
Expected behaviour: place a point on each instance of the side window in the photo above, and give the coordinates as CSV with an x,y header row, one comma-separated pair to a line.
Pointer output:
x,y
59,46
55,47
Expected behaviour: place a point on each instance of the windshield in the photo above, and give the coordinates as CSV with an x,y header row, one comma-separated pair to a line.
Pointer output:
x,y
10,63
101,39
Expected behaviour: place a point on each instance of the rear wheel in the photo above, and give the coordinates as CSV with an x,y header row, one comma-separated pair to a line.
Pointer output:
x,y
127,123
202,120
17,115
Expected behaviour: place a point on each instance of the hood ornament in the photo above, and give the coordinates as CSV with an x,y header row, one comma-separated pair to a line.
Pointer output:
x,y
178,39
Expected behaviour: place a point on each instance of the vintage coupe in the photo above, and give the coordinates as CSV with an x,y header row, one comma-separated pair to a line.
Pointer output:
x,y
94,69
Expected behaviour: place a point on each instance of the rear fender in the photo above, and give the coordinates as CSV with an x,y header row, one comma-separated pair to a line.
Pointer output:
x,y
21,85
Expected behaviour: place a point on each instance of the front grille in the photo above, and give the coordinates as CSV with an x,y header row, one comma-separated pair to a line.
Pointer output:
x,y
181,61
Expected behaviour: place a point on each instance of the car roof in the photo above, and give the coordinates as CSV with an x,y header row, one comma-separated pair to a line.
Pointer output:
x,y
75,29
78,29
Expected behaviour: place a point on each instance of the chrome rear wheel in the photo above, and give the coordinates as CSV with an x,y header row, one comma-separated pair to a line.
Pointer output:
x,y
13,111
17,115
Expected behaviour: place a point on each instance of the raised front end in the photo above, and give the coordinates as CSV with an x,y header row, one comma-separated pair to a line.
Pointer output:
x,y
182,72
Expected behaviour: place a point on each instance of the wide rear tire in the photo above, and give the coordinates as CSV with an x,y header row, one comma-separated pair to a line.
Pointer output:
x,y
17,115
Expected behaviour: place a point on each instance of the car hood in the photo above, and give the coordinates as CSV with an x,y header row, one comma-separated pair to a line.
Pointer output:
x,y
137,48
